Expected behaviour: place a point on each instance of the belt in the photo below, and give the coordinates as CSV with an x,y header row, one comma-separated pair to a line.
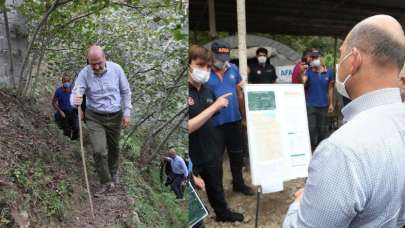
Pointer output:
x,y
106,114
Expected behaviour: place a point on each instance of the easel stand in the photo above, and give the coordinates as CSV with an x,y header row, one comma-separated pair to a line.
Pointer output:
x,y
259,192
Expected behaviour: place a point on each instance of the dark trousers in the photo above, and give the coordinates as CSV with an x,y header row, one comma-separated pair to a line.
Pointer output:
x,y
232,134
318,125
70,124
104,133
212,176
176,185
245,142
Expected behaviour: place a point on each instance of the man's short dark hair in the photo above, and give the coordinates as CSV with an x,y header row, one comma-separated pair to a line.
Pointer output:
x,y
382,46
261,50
199,52
66,76
307,51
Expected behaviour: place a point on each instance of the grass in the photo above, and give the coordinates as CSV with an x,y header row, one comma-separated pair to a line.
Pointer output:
x,y
44,179
43,182
155,207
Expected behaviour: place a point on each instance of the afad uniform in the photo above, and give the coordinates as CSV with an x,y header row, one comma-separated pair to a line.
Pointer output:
x,y
228,84
205,144
229,120
318,86
262,74
205,149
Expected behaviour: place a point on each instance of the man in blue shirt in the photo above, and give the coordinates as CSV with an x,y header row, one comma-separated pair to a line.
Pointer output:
x,y
179,172
318,81
108,107
65,113
225,78
356,177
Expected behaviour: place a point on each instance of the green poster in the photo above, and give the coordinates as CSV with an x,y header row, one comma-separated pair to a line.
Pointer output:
x,y
261,100
196,208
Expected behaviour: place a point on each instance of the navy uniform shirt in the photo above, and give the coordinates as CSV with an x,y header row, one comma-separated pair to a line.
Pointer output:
x,y
260,74
318,86
228,84
205,143
63,96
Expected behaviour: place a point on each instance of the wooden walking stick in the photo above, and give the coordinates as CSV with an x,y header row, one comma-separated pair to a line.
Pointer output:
x,y
79,110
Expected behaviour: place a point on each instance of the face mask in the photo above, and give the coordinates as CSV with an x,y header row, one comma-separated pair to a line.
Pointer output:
x,y
200,76
66,85
219,64
340,86
316,63
261,59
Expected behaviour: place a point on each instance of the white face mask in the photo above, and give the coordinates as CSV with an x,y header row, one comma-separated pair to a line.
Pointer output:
x,y
200,76
261,59
316,63
340,86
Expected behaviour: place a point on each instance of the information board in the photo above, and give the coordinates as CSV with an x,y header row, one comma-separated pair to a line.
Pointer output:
x,y
196,208
277,125
284,73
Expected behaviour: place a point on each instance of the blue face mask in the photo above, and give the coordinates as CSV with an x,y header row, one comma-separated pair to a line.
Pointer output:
x,y
66,85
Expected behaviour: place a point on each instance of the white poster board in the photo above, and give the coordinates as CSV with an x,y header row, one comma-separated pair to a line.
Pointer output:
x,y
284,73
278,135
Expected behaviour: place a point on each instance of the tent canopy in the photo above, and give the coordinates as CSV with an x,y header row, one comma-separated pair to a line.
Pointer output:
x,y
281,54
294,17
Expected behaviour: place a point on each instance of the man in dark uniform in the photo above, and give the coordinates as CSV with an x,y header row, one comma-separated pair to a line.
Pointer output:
x,y
262,72
205,139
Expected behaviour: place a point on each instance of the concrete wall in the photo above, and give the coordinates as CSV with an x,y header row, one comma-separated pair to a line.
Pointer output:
x,y
18,42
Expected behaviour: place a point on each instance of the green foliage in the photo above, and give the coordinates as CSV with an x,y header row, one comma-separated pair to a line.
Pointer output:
x,y
155,209
7,197
300,43
132,148
42,187
147,38
148,41
202,37
5,217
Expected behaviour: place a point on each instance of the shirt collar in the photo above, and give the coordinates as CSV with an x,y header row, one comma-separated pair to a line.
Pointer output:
x,y
227,67
324,70
192,87
370,100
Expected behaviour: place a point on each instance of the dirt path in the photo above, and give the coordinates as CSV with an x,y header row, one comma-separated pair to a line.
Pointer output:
x,y
273,206
112,209
25,137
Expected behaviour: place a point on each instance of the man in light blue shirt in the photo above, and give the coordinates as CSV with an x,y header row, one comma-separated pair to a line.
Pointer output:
x,y
356,176
108,107
179,170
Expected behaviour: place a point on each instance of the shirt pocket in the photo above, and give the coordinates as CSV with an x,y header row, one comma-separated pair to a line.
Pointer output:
x,y
110,86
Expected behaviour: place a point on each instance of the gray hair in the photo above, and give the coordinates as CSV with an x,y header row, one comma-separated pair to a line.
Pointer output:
x,y
380,44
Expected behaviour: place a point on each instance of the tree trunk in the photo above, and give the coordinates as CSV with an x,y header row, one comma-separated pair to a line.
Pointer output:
x,y
10,50
155,152
241,15
31,43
